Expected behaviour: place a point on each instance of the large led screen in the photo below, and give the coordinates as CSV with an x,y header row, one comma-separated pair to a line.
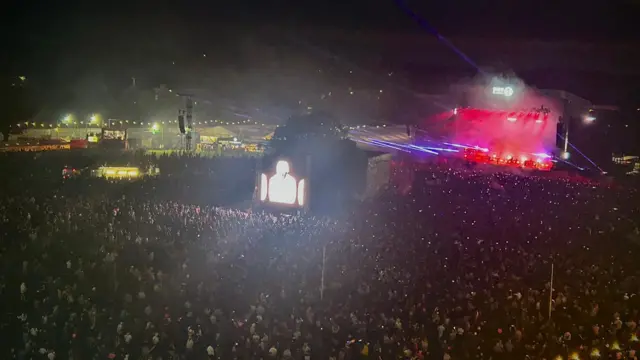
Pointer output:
x,y
282,187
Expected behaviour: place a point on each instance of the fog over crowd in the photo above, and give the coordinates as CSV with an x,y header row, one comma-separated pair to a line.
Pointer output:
x,y
462,264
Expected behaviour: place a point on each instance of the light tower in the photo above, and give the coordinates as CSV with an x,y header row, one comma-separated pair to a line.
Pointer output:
x,y
189,118
188,121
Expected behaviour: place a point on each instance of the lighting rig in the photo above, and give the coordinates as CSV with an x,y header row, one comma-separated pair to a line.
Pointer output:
x,y
541,110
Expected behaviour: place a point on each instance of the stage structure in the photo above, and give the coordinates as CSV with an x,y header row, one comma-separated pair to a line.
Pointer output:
x,y
378,174
322,180
497,121
311,148
186,129
322,183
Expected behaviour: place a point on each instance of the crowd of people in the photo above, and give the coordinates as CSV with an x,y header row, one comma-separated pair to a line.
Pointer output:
x,y
461,265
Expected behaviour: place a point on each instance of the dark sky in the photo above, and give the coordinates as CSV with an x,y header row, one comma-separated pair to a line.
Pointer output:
x,y
57,42
52,28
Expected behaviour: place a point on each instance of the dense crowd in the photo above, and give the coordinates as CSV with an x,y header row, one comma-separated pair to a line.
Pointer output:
x,y
463,265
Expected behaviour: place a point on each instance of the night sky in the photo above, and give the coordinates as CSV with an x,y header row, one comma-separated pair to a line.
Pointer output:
x,y
57,39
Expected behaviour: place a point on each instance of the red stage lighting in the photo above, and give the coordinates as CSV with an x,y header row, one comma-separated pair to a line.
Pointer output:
x,y
508,159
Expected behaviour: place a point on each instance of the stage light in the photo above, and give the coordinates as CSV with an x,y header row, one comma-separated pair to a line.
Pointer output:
x,y
509,157
523,158
565,155
512,119
539,121
455,111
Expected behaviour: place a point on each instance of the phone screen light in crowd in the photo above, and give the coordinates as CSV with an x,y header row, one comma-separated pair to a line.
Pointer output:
x,y
589,118
512,119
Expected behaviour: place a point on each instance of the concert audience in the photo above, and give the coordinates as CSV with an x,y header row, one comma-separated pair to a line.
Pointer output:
x,y
461,265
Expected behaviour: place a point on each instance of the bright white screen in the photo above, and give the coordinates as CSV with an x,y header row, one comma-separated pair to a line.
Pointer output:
x,y
283,187
263,187
301,193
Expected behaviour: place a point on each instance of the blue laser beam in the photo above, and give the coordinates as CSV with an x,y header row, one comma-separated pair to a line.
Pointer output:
x,y
581,153
425,24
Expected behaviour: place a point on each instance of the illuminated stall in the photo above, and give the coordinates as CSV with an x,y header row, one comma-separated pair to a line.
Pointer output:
x,y
118,173
18,147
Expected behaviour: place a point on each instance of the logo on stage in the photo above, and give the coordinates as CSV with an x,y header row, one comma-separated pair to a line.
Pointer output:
x,y
506,91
